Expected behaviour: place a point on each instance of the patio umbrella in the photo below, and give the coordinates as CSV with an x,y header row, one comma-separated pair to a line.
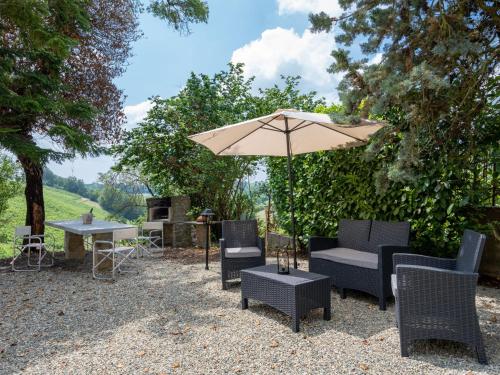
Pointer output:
x,y
286,132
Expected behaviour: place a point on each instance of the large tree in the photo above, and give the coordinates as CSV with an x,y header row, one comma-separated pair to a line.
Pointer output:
x,y
58,62
437,87
438,76
173,164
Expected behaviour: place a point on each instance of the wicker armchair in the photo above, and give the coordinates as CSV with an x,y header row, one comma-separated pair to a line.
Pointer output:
x,y
435,297
361,257
240,248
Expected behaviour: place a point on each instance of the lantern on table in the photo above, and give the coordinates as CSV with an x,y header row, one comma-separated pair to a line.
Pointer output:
x,y
207,215
283,261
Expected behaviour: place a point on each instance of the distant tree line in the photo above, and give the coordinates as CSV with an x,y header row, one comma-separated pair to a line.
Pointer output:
x,y
71,184
122,195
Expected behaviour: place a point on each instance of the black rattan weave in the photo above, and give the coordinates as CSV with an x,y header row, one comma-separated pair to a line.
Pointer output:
x,y
294,294
436,300
383,238
239,233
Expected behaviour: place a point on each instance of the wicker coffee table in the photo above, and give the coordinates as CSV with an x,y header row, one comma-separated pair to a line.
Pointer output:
x,y
294,294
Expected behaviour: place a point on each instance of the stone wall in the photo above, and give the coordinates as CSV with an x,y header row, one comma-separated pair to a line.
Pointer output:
x,y
176,233
182,235
277,241
168,234
180,206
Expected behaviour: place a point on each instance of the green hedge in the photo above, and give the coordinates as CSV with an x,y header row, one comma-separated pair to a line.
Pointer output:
x,y
344,184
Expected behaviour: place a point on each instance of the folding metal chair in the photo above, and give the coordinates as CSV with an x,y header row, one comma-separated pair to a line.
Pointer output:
x,y
120,250
151,238
25,243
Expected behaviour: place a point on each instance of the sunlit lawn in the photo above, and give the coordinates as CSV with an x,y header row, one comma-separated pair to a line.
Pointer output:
x,y
59,204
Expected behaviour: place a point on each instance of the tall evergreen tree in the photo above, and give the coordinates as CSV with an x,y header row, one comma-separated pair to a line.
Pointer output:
x,y
58,61
438,75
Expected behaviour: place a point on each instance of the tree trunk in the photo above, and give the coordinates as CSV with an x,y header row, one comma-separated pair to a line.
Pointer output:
x,y
35,208
494,184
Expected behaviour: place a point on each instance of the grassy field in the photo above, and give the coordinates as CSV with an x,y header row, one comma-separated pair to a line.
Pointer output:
x,y
59,204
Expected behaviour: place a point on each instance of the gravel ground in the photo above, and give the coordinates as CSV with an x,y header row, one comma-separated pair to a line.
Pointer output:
x,y
172,317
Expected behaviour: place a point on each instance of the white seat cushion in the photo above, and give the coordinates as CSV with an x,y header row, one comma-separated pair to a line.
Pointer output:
x,y
394,284
348,256
242,252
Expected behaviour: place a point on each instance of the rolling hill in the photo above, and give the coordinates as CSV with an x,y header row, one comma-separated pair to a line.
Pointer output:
x,y
59,204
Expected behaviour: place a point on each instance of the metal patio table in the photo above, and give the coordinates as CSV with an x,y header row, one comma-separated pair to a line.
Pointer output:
x,y
294,294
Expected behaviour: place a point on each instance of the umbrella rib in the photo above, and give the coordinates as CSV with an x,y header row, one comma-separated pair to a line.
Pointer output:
x,y
246,135
271,129
296,126
302,127
338,131
272,126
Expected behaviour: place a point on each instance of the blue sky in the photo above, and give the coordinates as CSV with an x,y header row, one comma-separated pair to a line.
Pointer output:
x,y
270,36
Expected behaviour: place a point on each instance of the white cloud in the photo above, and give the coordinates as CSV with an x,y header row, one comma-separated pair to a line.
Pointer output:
x,y
283,51
136,113
331,7
377,59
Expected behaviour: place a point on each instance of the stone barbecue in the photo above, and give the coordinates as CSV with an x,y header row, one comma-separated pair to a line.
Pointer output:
x,y
173,212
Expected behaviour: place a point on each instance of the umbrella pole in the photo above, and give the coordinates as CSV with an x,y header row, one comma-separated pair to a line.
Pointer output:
x,y
290,189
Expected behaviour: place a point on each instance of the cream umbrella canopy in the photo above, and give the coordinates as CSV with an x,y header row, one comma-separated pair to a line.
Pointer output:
x,y
286,132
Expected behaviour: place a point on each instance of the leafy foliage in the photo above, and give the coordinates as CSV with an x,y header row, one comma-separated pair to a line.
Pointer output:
x,y
437,87
121,204
439,69
286,96
174,164
71,184
58,62
352,183
10,181
122,195
180,13
37,39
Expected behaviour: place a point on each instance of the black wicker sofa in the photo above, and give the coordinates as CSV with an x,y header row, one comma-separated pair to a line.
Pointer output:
x,y
360,258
